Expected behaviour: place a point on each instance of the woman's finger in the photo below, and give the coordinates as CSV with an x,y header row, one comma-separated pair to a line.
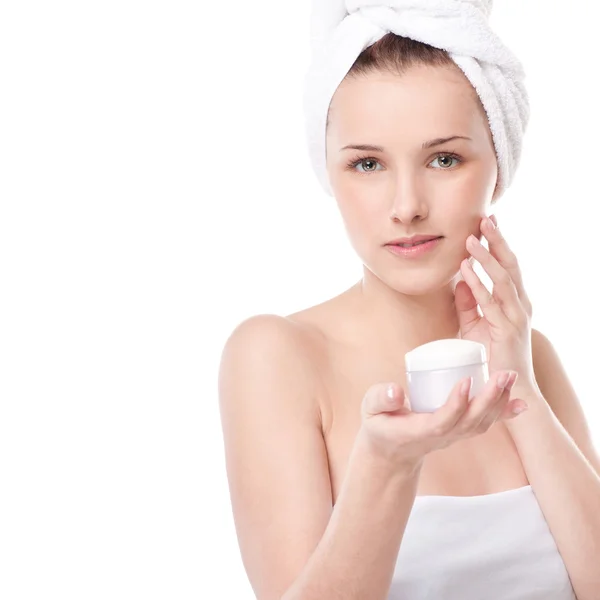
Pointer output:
x,y
501,251
444,419
504,292
497,408
383,398
513,409
480,405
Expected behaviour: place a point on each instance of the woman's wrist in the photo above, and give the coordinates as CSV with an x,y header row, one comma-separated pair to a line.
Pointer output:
x,y
383,460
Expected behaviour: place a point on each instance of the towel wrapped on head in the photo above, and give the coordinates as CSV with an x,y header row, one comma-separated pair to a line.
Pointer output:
x,y
342,29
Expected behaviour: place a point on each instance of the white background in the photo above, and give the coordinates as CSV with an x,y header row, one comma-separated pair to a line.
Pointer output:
x,y
155,191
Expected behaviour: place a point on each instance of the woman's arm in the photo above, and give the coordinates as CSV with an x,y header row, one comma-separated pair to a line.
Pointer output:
x,y
553,441
567,489
356,556
293,545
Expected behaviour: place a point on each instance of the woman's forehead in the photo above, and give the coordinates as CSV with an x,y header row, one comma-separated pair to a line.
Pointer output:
x,y
432,90
404,111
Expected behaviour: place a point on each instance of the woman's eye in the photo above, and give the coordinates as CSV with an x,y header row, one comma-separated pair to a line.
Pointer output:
x,y
369,164
447,158
366,161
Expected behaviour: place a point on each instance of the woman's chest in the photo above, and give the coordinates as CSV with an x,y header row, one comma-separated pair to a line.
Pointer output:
x,y
484,464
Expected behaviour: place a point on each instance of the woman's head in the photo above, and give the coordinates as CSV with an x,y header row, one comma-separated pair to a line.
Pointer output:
x,y
401,95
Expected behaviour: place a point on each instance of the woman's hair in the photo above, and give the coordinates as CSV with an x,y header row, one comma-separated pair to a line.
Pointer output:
x,y
396,54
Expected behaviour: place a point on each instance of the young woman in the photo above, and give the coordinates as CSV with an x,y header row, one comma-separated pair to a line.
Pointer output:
x,y
339,490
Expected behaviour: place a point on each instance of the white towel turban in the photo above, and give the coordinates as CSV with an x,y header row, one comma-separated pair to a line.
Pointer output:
x,y
342,29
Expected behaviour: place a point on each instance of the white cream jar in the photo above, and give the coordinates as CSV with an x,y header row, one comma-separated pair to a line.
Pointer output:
x,y
433,369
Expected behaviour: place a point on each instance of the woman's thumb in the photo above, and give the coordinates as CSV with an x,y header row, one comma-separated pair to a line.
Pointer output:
x,y
384,398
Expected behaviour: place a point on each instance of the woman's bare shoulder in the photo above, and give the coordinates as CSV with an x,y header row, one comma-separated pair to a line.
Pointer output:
x,y
295,334
305,333
272,342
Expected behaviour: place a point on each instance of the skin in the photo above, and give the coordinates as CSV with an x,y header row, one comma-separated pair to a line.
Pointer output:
x,y
406,190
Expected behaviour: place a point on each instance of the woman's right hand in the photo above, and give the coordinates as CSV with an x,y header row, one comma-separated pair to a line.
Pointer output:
x,y
393,431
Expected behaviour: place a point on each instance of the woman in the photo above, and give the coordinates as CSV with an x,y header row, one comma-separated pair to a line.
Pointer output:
x,y
339,490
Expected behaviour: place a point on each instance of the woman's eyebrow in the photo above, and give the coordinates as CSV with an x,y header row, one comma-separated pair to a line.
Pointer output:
x,y
429,144
439,141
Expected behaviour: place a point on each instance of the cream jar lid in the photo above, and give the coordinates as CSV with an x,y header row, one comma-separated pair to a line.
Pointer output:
x,y
445,354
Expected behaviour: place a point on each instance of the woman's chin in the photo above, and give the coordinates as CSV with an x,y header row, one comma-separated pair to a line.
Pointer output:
x,y
424,284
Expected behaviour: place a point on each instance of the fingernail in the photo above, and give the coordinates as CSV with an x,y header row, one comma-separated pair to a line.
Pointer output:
x,y
490,223
519,409
502,380
465,388
390,392
511,380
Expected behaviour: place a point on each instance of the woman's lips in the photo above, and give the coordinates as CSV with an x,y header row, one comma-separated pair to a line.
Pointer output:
x,y
414,251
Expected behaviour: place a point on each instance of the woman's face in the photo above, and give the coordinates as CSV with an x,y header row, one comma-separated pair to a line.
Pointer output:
x,y
405,189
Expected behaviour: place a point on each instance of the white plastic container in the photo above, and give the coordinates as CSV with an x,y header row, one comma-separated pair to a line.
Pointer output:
x,y
433,369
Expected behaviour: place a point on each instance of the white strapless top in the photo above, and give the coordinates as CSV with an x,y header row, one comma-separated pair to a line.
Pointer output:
x,y
492,547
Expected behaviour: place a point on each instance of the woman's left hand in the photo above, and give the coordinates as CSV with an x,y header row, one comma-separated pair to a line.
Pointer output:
x,y
505,327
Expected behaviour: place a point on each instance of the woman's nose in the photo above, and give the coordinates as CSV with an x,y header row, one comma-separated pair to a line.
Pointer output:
x,y
408,204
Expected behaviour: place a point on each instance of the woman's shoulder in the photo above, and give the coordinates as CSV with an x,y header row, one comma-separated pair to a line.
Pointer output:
x,y
294,333
272,341
298,342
